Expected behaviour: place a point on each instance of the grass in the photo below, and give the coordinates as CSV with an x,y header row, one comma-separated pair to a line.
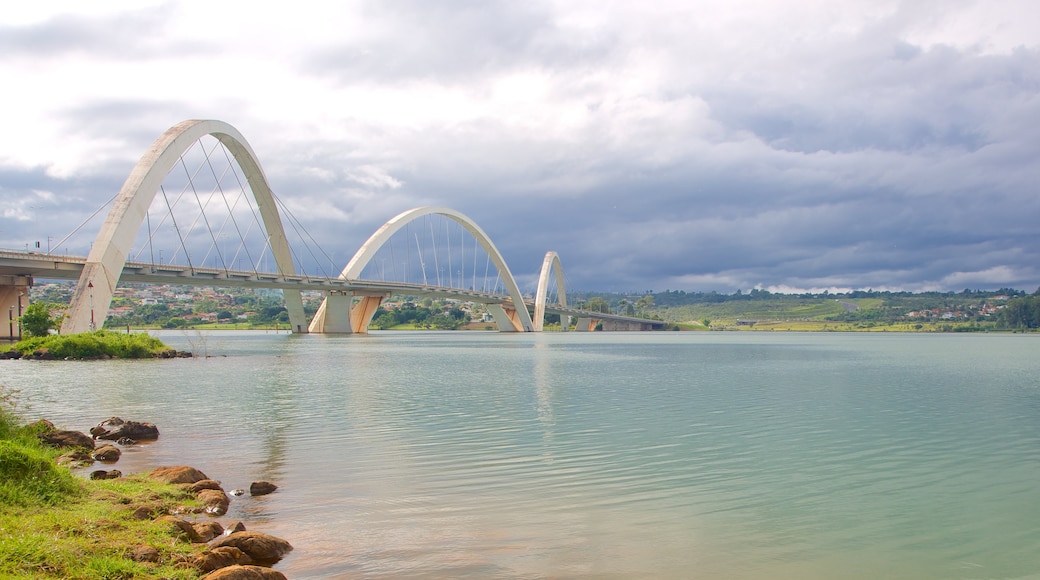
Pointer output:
x,y
56,525
94,345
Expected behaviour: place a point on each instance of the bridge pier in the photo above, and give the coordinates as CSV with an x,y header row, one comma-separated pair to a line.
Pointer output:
x,y
585,324
507,319
14,294
625,326
338,314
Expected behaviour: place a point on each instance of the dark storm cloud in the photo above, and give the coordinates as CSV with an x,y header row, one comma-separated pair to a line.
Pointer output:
x,y
651,148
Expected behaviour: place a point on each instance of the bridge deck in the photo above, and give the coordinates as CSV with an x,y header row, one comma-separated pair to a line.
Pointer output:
x,y
62,267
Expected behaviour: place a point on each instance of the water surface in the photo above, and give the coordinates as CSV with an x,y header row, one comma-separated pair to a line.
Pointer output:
x,y
604,455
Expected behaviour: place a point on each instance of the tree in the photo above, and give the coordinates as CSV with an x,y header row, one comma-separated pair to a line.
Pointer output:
x,y
38,320
597,304
645,302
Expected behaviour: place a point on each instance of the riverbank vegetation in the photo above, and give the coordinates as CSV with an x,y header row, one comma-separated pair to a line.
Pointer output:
x,y
56,525
91,345
1006,309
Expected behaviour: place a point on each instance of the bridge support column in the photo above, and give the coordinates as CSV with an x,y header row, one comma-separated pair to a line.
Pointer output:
x,y
586,324
339,315
362,312
333,316
14,297
506,318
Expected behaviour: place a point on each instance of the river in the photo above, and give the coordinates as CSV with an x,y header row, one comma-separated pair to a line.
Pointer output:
x,y
596,455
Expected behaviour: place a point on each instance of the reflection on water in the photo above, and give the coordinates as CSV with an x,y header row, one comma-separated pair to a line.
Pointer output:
x,y
577,455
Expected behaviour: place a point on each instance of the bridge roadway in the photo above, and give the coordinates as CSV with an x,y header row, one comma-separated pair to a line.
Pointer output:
x,y
63,267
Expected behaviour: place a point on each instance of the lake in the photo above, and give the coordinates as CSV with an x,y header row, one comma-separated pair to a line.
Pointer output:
x,y
596,455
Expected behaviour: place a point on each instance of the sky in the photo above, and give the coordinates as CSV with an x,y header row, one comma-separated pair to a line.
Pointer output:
x,y
700,145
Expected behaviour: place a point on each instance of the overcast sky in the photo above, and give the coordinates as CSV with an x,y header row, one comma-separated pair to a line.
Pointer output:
x,y
684,145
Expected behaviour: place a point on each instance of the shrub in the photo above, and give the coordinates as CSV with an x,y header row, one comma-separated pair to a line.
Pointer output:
x,y
95,344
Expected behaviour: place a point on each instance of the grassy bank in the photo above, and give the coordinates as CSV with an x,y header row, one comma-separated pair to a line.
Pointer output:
x,y
101,343
56,525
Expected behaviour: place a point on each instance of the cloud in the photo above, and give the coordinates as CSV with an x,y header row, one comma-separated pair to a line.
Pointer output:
x,y
713,146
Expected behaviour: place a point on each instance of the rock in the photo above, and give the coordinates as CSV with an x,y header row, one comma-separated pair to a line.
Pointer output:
x,y
11,354
107,453
145,554
143,512
238,492
209,530
115,428
245,573
235,527
60,438
181,529
261,547
214,500
126,441
102,474
177,474
205,484
77,458
41,425
261,488
221,557
43,354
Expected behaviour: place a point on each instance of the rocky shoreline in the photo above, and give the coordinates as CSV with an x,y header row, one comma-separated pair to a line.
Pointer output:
x,y
226,552
46,354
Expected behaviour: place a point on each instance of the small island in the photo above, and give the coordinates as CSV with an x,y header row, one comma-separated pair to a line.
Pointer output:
x,y
38,322
97,345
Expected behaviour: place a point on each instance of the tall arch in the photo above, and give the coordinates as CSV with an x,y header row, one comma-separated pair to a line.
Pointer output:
x,y
551,263
521,322
108,255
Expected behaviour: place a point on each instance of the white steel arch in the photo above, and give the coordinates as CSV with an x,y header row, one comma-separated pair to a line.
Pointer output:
x,y
550,263
108,255
368,251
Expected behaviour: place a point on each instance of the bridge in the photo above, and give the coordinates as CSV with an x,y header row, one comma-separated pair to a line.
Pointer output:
x,y
253,220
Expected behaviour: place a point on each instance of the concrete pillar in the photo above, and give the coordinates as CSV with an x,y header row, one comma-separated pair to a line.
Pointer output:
x,y
505,322
361,314
337,314
14,297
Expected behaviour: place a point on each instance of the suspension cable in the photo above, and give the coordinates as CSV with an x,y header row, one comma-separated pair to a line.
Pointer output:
x,y
84,222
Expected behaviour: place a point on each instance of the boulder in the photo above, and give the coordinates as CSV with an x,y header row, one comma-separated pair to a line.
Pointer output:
x,y
205,484
245,573
145,554
215,501
11,354
177,474
115,428
182,529
41,425
209,530
77,458
235,527
262,548
107,453
221,557
102,474
61,438
144,512
261,488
